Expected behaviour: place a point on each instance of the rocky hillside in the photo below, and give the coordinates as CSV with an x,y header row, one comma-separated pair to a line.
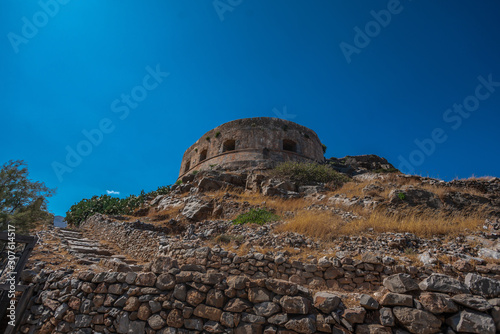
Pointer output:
x,y
368,251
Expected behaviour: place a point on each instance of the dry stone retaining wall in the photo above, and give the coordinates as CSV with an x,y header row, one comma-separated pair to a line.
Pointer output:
x,y
146,242
169,299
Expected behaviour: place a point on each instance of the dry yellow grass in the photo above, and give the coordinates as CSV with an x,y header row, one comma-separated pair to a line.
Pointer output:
x,y
325,226
278,204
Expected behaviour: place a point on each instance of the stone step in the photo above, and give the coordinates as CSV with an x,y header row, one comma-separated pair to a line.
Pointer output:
x,y
69,233
89,250
83,243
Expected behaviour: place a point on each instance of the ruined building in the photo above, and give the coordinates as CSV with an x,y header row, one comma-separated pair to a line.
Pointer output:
x,y
259,142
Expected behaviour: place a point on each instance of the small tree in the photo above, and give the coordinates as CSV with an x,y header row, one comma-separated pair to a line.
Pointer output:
x,y
23,202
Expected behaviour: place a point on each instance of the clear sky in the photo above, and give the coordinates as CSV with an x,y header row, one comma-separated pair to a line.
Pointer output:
x,y
101,95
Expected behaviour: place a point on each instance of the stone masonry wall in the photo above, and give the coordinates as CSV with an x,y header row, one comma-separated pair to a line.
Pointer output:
x,y
169,299
257,141
367,273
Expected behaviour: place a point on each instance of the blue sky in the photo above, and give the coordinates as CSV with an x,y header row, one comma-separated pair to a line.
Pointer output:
x,y
145,79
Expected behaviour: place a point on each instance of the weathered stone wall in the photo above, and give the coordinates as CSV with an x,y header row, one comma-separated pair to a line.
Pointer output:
x,y
257,142
136,239
169,299
144,241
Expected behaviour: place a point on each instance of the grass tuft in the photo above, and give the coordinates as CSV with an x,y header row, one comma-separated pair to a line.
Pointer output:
x,y
307,173
256,216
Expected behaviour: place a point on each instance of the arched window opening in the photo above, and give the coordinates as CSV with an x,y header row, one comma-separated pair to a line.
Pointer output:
x,y
188,165
289,145
229,145
203,155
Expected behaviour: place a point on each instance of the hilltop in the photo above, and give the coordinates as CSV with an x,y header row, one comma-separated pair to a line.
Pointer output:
x,y
353,235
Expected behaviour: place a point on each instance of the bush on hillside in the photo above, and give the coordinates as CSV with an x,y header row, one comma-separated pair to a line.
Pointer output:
x,y
256,216
309,172
109,205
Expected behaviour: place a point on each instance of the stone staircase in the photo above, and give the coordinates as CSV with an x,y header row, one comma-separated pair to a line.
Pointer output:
x,y
89,252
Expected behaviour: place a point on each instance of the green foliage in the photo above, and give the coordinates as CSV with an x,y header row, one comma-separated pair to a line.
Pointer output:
x,y
178,182
324,148
402,196
195,172
309,172
256,216
110,205
207,138
217,134
23,202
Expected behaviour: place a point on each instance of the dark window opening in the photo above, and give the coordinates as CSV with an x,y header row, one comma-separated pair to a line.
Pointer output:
x,y
203,155
229,145
289,145
188,165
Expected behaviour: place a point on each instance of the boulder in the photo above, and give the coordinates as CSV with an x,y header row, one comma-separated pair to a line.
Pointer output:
x,y
266,309
417,321
237,282
368,302
295,305
165,282
197,209
259,295
437,303
237,305
396,299
156,322
443,283
163,264
355,315
386,317
207,312
474,302
415,197
282,287
472,322
209,184
400,283
484,286
326,302
305,324
145,279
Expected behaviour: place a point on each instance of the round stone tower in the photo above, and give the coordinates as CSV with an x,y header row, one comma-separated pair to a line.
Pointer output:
x,y
260,142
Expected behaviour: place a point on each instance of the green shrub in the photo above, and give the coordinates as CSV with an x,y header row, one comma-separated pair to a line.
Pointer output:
x,y
217,134
178,182
324,148
402,196
256,216
195,172
110,205
309,172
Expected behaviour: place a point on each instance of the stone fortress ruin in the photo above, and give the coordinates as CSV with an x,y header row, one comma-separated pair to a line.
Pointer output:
x,y
259,142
